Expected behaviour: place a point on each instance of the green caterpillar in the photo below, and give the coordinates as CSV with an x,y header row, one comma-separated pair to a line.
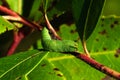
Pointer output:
x,y
57,45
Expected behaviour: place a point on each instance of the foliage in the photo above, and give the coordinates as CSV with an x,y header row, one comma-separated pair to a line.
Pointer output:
x,y
33,63
5,25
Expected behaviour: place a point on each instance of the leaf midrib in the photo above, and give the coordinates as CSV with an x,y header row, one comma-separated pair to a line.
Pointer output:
x,y
18,64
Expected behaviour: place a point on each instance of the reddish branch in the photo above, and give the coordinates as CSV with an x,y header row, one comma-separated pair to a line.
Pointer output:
x,y
19,18
18,36
22,33
97,65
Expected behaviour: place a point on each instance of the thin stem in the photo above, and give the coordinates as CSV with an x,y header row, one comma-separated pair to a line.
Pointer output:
x,y
50,27
85,49
97,65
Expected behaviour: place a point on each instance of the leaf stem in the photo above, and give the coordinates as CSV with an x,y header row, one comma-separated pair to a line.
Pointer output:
x,y
85,48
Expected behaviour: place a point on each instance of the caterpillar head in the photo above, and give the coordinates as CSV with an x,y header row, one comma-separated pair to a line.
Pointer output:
x,y
45,34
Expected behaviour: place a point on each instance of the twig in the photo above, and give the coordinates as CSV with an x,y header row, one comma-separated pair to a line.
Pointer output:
x,y
97,65
20,18
18,36
85,48
16,40
50,27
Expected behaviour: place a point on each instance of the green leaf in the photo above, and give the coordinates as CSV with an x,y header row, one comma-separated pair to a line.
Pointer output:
x,y
68,32
106,35
86,14
20,64
5,25
111,7
0,2
55,8
35,8
75,69
15,5
46,70
46,4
